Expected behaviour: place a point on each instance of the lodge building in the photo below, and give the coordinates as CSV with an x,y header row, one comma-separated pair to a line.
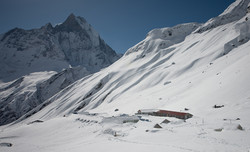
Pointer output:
x,y
165,113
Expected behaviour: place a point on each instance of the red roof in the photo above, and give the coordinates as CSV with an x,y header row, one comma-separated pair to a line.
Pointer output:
x,y
172,112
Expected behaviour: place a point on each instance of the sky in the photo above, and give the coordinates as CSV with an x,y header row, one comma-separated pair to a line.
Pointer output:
x,y
120,23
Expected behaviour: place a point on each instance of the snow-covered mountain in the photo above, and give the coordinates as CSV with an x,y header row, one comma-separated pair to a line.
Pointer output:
x,y
72,43
166,59
24,94
194,67
30,60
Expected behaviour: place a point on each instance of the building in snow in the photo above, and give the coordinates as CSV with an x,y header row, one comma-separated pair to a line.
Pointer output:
x,y
147,111
165,113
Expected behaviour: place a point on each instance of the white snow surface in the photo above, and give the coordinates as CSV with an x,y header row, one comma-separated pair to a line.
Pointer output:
x,y
196,71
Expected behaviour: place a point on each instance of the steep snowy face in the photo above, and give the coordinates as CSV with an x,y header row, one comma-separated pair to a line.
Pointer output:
x,y
72,43
18,96
159,39
82,45
234,12
76,24
22,95
26,51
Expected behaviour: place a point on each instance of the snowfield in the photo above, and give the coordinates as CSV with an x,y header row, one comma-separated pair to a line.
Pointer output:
x,y
89,133
202,69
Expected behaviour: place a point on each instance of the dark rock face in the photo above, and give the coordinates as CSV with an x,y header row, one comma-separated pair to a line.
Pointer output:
x,y
70,25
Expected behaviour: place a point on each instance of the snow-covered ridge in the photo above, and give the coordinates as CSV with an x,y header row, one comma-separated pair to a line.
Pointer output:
x,y
162,38
24,94
234,12
73,23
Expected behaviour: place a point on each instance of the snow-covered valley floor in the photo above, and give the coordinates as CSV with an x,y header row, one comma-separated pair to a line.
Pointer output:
x,y
81,132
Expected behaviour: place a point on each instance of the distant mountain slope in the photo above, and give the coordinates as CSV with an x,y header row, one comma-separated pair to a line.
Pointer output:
x,y
26,93
72,43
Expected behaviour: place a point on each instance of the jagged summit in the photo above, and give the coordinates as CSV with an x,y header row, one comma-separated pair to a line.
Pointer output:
x,y
72,43
48,27
71,24
70,17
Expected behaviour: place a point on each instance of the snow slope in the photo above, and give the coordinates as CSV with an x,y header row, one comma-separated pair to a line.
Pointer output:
x,y
184,69
22,95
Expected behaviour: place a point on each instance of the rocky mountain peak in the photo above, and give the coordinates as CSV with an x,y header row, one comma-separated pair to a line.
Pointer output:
x,y
48,27
71,24
72,43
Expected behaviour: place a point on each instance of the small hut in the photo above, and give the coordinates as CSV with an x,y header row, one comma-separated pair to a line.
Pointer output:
x,y
147,111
